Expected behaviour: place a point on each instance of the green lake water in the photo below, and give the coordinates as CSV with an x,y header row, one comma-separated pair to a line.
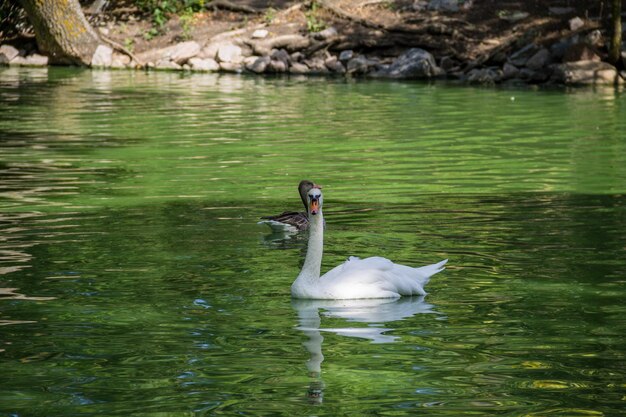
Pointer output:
x,y
134,279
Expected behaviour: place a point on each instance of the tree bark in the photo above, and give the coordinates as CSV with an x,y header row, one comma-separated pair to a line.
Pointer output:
x,y
616,36
62,31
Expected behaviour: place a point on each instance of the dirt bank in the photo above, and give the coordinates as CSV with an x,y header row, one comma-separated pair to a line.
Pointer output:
x,y
479,41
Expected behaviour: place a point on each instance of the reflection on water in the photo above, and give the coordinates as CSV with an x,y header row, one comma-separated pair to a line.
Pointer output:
x,y
135,280
375,313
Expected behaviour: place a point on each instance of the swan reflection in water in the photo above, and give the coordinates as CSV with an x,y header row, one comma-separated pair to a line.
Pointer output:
x,y
373,312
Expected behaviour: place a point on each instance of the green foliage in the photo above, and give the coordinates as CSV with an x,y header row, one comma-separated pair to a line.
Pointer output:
x,y
313,22
186,22
269,15
161,10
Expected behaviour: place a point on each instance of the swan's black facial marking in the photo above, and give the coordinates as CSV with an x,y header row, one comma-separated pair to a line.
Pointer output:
x,y
315,201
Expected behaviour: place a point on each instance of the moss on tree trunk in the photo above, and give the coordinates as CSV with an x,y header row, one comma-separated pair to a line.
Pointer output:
x,y
62,30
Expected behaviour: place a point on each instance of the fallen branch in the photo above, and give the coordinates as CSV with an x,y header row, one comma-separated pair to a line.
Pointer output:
x,y
116,46
233,7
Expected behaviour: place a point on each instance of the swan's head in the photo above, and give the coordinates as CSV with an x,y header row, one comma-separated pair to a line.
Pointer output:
x,y
314,200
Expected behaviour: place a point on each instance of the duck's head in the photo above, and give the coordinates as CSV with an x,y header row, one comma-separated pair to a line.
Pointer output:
x,y
303,188
314,200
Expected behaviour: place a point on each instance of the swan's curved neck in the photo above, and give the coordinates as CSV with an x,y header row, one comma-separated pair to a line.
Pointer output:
x,y
310,273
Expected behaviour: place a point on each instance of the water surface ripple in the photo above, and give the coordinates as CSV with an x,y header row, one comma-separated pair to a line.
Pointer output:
x,y
134,279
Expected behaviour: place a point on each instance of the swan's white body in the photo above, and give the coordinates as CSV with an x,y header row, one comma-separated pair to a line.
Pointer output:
x,y
356,278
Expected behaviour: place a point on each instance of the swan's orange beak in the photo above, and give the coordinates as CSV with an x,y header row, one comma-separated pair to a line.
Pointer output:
x,y
315,206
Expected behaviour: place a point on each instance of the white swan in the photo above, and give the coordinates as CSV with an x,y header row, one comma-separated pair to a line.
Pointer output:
x,y
373,277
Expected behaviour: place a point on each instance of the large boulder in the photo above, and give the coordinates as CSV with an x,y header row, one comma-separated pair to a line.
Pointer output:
x,y
585,72
414,63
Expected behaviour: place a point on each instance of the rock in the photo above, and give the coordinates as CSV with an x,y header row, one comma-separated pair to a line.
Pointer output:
x,y
280,55
509,71
296,57
206,64
229,52
484,76
34,60
183,51
585,72
278,66
120,60
291,43
166,64
448,64
333,64
415,63
325,34
576,23
358,65
209,51
558,49
594,38
260,34
444,5
259,65
298,68
520,57
8,53
346,55
559,11
316,65
103,57
236,67
539,60
513,16
581,52
535,76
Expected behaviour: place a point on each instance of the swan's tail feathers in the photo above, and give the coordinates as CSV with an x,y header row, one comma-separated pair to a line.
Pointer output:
x,y
430,270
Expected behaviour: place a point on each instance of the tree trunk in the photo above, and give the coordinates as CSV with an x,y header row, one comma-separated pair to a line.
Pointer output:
x,y
62,30
616,36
